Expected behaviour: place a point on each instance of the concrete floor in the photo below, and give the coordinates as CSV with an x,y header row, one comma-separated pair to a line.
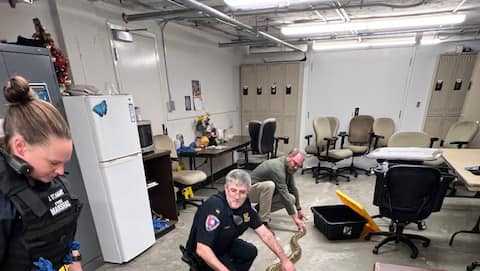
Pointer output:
x,y
318,253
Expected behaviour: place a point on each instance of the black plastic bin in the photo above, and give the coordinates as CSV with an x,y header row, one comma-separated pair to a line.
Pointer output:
x,y
338,222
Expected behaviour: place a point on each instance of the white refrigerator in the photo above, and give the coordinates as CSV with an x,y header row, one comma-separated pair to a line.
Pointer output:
x,y
105,137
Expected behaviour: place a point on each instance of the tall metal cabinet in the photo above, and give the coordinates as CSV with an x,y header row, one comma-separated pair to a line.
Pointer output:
x,y
273,91
451,83
35,64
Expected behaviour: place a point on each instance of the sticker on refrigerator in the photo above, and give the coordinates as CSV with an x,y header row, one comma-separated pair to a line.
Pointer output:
x,y
131,107
101,108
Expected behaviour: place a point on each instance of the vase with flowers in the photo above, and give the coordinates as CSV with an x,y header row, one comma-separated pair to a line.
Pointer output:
x,y
205,131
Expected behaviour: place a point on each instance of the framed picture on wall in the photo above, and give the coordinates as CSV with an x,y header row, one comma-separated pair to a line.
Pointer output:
x,y
41,90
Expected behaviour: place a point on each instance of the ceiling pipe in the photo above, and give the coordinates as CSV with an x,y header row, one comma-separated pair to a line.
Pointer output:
x,y
224,17
189,12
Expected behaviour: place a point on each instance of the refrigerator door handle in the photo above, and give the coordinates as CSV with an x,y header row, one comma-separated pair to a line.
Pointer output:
x,y
119,160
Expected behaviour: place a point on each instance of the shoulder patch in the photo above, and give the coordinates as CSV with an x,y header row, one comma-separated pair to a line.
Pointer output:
x,y
211,223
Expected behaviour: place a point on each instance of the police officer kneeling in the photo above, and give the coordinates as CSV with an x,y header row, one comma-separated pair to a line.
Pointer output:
x,y
218,223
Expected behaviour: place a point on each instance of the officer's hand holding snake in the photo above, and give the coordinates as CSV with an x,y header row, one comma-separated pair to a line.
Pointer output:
x,y
295,251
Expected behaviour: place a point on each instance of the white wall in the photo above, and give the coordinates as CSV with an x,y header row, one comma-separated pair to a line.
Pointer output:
x,y
191,55
379,81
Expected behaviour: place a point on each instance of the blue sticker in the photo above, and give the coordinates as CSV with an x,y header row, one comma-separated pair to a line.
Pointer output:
x,y
101,108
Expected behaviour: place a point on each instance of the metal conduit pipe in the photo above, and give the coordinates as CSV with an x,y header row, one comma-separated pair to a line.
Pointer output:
x,y
189,12
215,13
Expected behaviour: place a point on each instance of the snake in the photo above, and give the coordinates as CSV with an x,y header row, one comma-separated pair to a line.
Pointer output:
x,y
295,251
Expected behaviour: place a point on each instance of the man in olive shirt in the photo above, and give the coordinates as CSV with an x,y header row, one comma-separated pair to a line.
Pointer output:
x,y
274,187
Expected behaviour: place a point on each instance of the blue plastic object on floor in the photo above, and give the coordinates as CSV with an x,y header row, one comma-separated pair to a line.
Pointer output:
x,y
43,265
160,224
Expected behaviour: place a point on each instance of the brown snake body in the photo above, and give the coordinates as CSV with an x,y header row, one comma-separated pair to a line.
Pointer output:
x,y
295,251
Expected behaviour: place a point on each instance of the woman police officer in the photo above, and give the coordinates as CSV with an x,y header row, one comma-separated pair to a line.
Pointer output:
x,y
38,215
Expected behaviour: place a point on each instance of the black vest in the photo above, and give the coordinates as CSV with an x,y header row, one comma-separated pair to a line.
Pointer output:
x,y
45,223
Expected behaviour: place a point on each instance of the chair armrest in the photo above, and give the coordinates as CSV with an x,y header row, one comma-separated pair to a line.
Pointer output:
x,y
285,140
459,143
307,137
376,137
433,140
342,135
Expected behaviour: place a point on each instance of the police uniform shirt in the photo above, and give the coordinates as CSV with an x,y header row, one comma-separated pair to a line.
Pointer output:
x,y
217,225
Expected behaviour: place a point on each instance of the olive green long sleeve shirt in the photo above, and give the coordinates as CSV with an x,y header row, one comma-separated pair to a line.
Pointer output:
x,y
276,170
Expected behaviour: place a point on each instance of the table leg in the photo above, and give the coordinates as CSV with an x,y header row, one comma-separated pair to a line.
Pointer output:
x,y
476,229
212,177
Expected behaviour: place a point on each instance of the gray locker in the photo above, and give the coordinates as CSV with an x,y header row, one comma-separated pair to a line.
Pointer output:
x,y
277,95
450,86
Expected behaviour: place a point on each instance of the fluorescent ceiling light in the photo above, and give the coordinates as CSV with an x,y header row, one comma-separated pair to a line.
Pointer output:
x,y
364,44
262,4
374,24
430,40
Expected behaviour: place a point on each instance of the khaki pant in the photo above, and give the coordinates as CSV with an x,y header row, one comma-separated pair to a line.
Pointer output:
x,y
263,193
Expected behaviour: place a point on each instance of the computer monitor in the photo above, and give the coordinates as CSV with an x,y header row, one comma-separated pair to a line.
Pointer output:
x,y
41,90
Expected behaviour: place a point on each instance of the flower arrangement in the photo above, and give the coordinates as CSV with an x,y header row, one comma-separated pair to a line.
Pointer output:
x,y
205,131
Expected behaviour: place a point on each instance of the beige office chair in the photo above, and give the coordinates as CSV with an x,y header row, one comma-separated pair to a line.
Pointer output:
x,y
325,129
383,129
311,148
182,179
359,134
458,136
410,139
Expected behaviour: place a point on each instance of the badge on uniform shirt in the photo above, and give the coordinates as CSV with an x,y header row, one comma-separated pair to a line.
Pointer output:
x,y
211,223
246,217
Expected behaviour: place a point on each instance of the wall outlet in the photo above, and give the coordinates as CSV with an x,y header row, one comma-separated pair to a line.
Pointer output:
x,y
171,106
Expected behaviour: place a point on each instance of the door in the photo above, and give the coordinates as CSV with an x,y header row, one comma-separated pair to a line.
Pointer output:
x,y
137,67
115,129
124,179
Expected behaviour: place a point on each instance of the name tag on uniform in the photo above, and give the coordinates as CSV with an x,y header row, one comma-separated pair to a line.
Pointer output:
x,y
60,206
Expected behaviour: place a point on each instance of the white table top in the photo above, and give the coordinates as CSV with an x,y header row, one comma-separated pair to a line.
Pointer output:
x,y
406,154
458,159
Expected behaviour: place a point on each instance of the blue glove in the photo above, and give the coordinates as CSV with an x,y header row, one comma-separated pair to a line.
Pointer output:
x,y
43,265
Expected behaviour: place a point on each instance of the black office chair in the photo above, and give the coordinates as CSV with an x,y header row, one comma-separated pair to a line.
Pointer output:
x,y
263,142
190,259
406,194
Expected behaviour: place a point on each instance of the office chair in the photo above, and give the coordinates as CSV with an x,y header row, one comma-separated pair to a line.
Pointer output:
x,y
458,136
182,179
359,134
263,142
410,139
383,129
190,259
311,148
406,194
325,139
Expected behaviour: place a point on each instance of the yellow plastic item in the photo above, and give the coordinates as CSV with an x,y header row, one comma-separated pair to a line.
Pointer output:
x,y
187,192
370,226
63,268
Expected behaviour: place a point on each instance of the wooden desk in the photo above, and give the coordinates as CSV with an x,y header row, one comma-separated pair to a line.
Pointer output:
x,y
458,159
158,172
236,143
